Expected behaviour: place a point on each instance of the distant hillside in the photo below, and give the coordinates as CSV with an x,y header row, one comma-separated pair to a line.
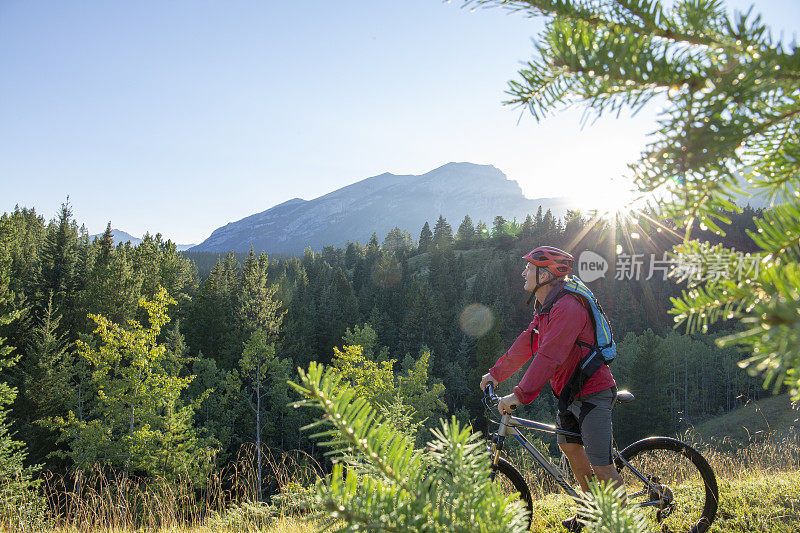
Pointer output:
x,y
752,421
376,205
122,237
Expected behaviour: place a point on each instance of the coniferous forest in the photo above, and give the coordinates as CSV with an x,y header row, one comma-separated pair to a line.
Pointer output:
x,y
152,362
142,388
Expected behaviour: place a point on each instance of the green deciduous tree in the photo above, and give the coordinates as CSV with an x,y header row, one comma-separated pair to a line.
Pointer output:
x,y
263,377
367,338
372,380
421,393
138,421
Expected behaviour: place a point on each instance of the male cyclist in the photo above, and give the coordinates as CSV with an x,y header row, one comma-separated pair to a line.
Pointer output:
x,y
559,321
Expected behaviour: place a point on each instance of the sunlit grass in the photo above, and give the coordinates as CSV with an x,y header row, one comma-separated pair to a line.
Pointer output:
x,y
759,487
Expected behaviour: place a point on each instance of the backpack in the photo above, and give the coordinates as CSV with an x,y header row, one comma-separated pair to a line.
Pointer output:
x,y
601,352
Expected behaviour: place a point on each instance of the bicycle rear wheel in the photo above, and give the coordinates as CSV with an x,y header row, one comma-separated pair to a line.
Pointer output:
x,y
687,495
510,481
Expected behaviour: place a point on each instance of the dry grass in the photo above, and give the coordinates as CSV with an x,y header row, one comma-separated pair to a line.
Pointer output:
x,y
758,488
765,453
759,485
110,501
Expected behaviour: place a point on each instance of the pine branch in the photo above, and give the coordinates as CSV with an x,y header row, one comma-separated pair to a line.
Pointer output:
x,y
354,426
387,483
778,232
731,290
596,14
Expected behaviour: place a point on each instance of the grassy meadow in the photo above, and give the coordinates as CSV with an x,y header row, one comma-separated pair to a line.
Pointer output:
x,y
758,477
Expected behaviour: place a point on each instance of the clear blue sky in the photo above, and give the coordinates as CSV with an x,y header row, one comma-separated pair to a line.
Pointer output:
x,y
178,117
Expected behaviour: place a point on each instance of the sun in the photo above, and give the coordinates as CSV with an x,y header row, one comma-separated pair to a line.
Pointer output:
x,y
611,200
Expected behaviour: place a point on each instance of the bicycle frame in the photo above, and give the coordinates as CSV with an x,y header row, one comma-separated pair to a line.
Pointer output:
x,y
510,426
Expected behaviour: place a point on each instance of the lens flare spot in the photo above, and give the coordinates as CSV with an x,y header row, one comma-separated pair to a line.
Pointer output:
x,y
476,320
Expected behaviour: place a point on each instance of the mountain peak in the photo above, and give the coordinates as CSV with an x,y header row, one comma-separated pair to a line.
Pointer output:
x,y
465,165
378,204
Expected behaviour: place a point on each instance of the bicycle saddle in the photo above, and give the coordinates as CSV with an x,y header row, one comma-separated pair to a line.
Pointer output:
x,y
624,396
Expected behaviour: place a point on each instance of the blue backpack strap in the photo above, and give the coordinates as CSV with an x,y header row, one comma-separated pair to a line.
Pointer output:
x,y
596,358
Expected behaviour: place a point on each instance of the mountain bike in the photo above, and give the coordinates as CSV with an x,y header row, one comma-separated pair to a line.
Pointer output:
x,y
661,474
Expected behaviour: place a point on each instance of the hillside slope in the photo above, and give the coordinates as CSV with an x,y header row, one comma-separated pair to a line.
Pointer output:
x,y
753,421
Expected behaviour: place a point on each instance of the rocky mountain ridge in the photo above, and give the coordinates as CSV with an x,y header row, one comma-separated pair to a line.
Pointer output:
x,y
376,205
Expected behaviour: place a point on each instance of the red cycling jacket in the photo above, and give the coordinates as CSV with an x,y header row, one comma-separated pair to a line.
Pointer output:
x,y
556,352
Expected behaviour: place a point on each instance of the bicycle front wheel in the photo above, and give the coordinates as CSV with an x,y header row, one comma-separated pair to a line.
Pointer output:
x,y
511,482
681,493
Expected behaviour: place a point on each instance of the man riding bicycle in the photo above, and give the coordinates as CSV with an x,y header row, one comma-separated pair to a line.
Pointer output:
x,y
558,336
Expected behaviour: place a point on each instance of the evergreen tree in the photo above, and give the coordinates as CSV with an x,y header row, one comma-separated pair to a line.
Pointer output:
x,y
22,234
378,487
498,227
12,452
213,311
397,241
527,230
354,252
422,322
59,260
481,230
548,228
425,238
648,382
573,226
160,265
373,241
257,307
466,233
538,222
338,309
49,368
442,233
113,287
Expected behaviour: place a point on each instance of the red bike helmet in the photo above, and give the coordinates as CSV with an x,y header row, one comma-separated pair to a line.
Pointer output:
x,y
553,259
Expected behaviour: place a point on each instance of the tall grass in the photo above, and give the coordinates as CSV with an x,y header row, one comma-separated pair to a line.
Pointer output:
x,y
102,499
764,453
227,499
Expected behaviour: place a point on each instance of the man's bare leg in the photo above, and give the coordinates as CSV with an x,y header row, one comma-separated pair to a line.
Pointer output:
x,y
610,476
579,462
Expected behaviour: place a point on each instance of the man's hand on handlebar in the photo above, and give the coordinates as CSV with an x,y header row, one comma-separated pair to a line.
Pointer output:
x,y
507,404
486,379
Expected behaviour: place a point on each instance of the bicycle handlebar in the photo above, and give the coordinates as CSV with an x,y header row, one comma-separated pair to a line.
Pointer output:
x,y
489,391
491,398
